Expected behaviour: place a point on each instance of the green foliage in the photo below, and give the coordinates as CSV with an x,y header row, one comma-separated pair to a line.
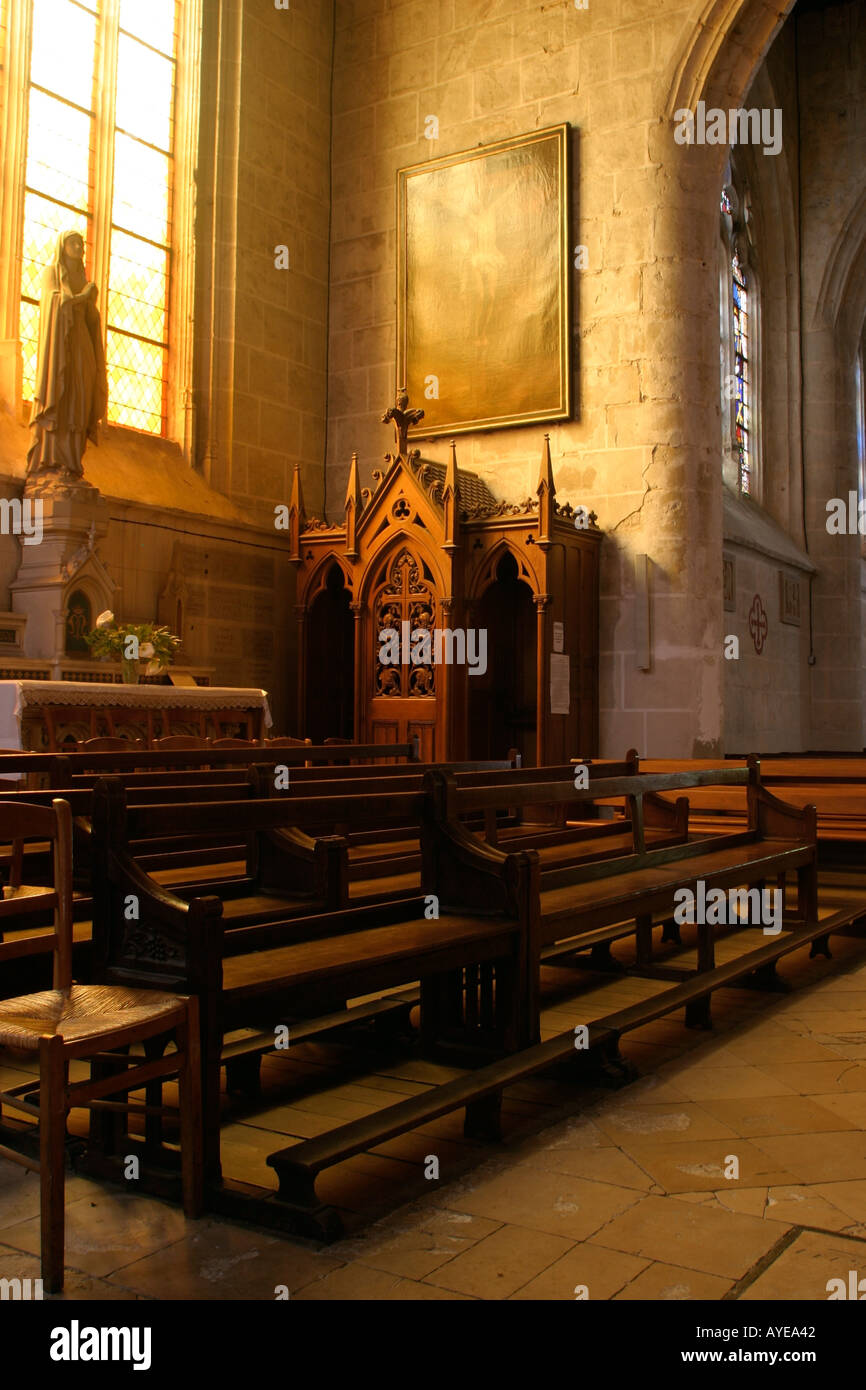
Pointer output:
x,y
156,645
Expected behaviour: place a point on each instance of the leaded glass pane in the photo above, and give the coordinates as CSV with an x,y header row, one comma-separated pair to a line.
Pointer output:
x,y
43,221
29,333
64,39
58,150
141,181
135,382
145,82
742,415
138,287
150,20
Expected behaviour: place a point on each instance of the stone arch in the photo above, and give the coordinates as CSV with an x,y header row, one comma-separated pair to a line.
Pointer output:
x,y
723,47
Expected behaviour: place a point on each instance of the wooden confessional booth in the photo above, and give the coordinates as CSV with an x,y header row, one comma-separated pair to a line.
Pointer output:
x,y
430,548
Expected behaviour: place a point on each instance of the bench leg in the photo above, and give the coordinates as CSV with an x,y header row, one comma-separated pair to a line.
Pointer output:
x,y
484,1118
820,947
605,1066
600,958
298,1191
644,940
767,978
699,1013
671,932
807,892
244,1075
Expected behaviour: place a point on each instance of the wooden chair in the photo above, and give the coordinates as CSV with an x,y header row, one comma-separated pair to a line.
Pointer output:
x,y
233,743
72,1022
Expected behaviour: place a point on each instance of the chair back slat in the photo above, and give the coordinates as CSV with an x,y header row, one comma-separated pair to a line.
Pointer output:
x,y
23,821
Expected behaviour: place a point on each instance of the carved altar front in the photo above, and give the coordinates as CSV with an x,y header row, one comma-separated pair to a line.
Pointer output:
x,y
429,550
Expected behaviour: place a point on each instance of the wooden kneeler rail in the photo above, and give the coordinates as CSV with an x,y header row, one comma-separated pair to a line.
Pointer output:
x,y
480,1091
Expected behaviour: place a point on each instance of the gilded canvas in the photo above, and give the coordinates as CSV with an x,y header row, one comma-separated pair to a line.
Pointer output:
x,y
483,300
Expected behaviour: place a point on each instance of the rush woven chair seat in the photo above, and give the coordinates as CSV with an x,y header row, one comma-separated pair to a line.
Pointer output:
x,y
74,1021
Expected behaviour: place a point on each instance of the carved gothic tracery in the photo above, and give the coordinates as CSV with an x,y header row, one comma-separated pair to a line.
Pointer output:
x,y
406,596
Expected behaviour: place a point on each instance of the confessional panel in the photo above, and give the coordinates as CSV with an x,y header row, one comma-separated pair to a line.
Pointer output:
x,y
502,700
330,663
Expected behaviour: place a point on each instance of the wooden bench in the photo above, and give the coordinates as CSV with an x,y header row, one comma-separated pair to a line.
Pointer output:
x,y
253,973
589,904
835,786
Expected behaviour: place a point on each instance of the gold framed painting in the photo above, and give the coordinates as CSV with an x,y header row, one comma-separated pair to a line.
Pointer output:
x,y
484,285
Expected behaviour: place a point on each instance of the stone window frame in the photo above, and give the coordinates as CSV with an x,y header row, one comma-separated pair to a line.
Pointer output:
x,y
15,35
735,234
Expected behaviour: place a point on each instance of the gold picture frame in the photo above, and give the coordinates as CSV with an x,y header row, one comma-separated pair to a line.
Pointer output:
x,y
484,285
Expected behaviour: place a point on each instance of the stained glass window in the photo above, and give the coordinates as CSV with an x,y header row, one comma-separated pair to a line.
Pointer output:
x,y
742,374
99,161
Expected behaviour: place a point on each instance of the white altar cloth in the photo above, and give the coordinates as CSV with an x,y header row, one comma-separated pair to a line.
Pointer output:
x,y
17,696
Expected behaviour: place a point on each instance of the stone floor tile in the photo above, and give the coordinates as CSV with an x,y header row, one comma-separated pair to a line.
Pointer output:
x,y
600,1272
665,1123
698,1237
108,1230
552,1202
501,1263
817,1078
847,1196
700,1166
701,1083
826,1157
358,1283
407,1290
776,1115
598,1165
801,1273
221,1260
662,1283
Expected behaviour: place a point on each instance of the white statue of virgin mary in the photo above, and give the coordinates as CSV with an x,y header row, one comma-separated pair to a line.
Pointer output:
x,y
71,391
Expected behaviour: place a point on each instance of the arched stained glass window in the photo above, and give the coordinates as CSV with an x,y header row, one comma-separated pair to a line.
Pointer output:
x,y
742,373
739,305
99,157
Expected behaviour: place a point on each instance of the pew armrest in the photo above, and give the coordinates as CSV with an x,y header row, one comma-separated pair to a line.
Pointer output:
x,y
143,931
666,815
779,820
288,861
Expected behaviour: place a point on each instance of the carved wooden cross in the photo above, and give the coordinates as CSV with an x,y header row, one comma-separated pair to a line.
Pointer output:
x,y
403,421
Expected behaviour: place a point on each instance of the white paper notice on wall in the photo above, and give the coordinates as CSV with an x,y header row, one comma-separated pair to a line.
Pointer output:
x,y
558,636
560,684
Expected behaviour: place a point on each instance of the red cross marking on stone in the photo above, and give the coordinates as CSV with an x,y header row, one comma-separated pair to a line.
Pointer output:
x,y
758,624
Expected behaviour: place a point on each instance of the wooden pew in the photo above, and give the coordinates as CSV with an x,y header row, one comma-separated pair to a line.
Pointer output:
x,y
589,904
836,786
253,973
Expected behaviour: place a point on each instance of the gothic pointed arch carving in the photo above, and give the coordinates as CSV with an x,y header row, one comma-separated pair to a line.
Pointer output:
x,y
418,552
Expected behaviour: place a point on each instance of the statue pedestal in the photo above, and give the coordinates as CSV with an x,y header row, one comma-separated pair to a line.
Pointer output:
x,y
65,559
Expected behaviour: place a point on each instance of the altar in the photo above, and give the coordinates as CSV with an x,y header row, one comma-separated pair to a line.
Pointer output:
x,y
46,716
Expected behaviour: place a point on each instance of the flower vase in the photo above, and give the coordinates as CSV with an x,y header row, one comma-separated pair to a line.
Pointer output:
x,y
129,670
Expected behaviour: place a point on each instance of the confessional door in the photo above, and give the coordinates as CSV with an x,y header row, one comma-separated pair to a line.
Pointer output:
x,y
402,695
330,665
502,703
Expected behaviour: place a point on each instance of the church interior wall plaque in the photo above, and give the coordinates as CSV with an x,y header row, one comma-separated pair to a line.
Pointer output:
x,y
483,285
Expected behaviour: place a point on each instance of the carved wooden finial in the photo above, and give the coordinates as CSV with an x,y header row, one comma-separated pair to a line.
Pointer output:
x,y
546,493
297,515
403,419
451,502
354,507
